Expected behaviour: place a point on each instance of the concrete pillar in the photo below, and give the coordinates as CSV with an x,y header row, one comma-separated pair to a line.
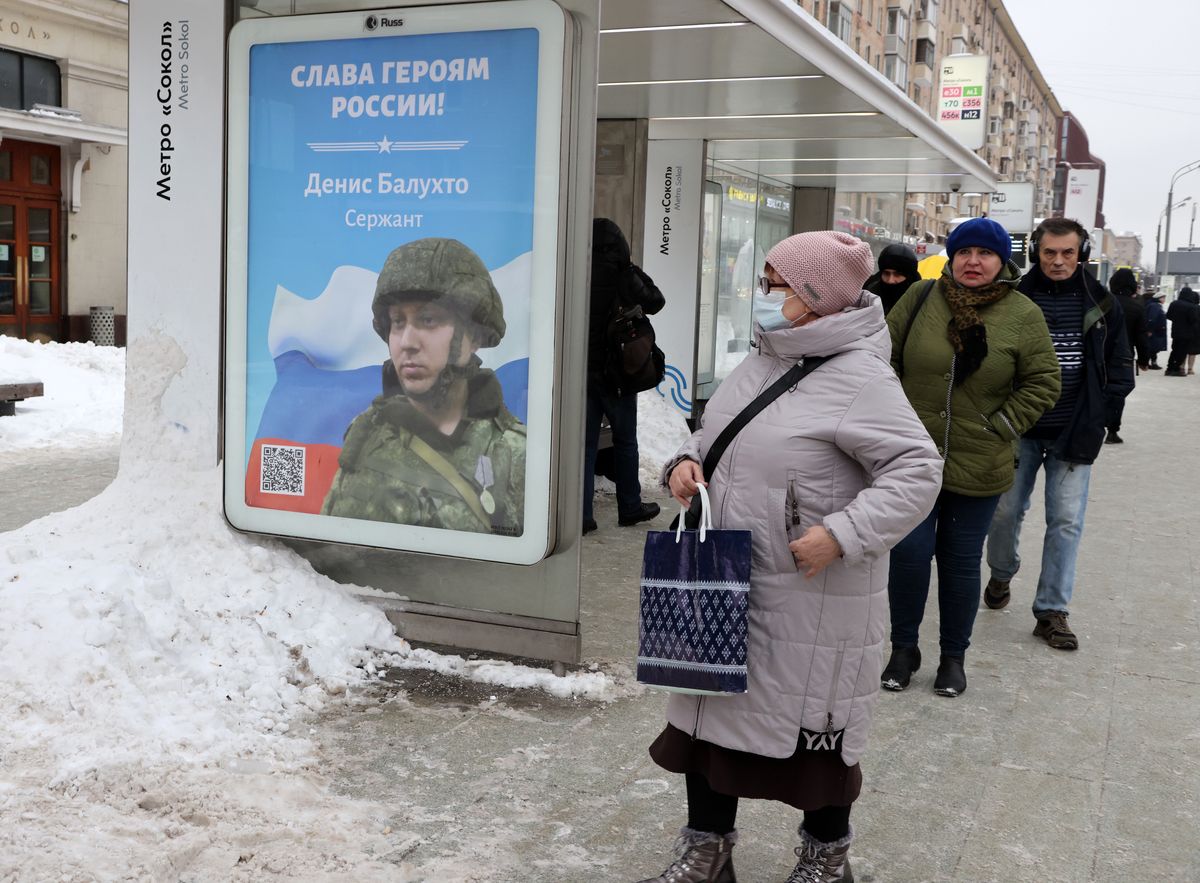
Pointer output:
x,y
621,177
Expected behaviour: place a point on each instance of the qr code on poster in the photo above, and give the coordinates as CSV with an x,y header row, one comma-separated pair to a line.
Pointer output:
x,y
282,470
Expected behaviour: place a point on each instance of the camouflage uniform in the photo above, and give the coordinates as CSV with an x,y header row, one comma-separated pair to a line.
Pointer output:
x,y
381,475
381,479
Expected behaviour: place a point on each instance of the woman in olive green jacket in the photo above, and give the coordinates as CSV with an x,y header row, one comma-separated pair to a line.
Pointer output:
x,y
976,361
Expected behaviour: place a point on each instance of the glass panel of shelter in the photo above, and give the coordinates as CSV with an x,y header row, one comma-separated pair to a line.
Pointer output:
x,y
755,214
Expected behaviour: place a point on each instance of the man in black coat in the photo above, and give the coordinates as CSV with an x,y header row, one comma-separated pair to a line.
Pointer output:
x,y
616,281
897,271
1088,330
1184,316
1123,285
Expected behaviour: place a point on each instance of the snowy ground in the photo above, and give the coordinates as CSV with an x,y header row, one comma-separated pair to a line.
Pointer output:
x,y
158,670
84,391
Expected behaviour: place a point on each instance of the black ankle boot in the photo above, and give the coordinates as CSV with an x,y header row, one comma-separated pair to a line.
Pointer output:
x,y
900,668
951,680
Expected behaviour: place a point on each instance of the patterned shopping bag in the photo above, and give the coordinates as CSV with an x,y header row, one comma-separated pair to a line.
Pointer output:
x,y
694,592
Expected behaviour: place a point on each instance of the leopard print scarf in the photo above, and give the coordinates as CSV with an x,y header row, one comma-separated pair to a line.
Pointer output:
x,y
967,333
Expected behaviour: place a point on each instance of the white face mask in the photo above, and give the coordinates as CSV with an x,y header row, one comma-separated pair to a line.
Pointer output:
x,y
768,311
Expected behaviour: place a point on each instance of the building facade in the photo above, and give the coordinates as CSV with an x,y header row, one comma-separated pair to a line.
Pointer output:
x,y
1127,250
63,115
1022,112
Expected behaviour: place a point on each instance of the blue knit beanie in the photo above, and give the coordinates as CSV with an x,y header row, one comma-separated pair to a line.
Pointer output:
x,y
981,233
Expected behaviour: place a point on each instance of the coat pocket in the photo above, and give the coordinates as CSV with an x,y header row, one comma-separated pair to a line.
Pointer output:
x,y
779,532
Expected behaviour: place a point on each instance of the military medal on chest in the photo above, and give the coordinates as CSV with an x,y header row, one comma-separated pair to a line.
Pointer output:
x,y
483,475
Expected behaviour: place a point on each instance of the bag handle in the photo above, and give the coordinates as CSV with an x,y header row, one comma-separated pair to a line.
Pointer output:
x,y
705,516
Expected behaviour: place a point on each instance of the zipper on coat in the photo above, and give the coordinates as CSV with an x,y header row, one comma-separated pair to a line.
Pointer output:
x,y
949,393
837,674
791,508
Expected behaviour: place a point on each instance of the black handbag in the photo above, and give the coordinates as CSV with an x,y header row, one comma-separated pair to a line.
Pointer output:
x,y
793,376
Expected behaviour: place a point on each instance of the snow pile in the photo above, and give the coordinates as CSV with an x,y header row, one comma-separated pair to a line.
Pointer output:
x,y
84,388
139,628
662,430
155,667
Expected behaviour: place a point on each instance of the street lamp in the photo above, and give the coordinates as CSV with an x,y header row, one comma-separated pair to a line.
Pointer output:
x,y
1180,172
1158,233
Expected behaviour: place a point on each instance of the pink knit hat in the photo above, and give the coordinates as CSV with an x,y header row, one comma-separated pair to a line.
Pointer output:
x,y
826,269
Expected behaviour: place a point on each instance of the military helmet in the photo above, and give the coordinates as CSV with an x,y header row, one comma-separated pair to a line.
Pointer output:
x,y
442,270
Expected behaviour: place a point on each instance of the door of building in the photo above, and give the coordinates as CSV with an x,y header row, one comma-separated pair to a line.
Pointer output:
x,y
30,299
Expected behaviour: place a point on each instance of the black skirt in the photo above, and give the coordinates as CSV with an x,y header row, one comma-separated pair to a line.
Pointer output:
x,y
806,780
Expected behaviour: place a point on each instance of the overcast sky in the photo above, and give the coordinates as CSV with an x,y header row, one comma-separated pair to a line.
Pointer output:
x,y
1131,73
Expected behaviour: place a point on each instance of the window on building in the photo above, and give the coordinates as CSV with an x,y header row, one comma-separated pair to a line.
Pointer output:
x,y
840,20
26,80
897,23
927,10
895,69
925,53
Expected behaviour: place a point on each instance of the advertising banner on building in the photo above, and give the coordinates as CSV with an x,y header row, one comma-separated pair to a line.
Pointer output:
x,y
1011,206
962,98
671,256
1083,192
393,277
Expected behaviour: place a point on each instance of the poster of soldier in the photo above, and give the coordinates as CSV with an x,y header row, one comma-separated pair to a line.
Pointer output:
x,y
391,301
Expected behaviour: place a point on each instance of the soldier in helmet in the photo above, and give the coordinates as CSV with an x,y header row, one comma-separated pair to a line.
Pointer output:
x,y
438,448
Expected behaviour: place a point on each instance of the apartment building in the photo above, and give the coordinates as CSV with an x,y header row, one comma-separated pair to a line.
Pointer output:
x,y
1022,113
1127,250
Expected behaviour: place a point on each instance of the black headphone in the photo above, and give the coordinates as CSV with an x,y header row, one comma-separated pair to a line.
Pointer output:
x,y
1085,245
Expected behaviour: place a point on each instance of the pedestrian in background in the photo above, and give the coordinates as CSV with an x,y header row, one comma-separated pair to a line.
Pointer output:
x,y
1156,328
616,281
1184,316
977,364
897,271
1123,285
1088,329
827,477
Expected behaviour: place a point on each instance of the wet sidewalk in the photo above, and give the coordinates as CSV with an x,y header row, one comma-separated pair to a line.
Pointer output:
x,y
1053,766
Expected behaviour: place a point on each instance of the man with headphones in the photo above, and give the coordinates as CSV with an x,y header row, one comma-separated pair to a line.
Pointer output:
x,y
1088,331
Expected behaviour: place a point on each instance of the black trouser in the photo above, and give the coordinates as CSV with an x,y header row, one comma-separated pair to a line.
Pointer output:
x,y
1113,409
713,812
1179,351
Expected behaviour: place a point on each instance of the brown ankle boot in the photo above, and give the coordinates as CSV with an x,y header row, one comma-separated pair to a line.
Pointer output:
x,y
701,857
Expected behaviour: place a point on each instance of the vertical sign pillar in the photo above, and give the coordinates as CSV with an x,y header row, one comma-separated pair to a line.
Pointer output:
x,y
176,178
671,256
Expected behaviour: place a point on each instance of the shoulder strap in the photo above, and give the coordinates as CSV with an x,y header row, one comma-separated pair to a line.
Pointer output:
x,y
793,376
446,470
912,317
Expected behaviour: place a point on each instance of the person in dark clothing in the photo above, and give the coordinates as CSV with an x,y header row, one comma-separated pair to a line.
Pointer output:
x,y
1156,329
1123,285
897,271
616,282
1184,316
1087,327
